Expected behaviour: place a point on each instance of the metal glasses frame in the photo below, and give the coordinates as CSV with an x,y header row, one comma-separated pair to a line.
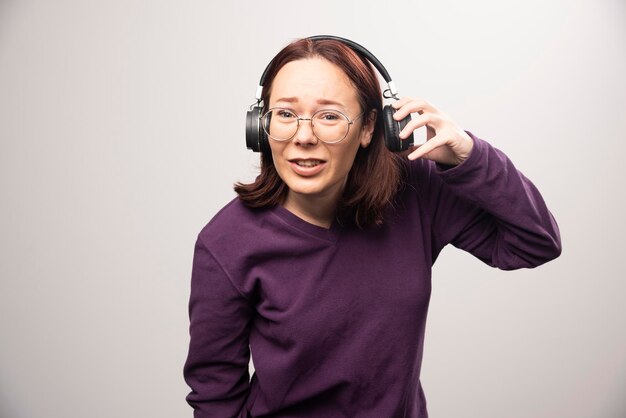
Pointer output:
x,y
298,119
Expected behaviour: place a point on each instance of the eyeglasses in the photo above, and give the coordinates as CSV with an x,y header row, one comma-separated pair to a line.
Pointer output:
x,y
329,126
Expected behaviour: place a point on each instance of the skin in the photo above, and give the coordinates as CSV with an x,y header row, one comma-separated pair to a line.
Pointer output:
x,y
446,142
314,197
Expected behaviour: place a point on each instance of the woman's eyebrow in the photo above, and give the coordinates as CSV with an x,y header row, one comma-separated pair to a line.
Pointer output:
x,y
288,99
326,101
319,101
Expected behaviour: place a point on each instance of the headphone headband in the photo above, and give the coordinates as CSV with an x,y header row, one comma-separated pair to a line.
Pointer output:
x,y
354,46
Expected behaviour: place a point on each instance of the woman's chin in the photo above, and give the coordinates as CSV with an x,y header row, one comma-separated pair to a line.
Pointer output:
x,y
314,190
311,190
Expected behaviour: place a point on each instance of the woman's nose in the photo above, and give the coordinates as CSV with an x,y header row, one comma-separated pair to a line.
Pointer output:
x,y
305,135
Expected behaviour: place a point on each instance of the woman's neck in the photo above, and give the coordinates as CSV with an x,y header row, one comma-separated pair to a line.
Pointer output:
x,y
317,210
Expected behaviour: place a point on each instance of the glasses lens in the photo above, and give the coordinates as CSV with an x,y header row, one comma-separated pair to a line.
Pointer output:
x,y
330,126
280,124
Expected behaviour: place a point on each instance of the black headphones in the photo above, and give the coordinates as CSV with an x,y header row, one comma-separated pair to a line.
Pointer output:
x,y
256,138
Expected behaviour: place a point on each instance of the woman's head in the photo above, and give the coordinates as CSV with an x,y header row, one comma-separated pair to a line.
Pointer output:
x,y
355,67
305,77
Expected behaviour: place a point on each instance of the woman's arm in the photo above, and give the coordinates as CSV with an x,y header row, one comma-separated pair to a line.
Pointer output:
x,y
477,199
489,208
217,364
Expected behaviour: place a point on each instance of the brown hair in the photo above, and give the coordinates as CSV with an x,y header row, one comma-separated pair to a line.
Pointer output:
x,y
375,176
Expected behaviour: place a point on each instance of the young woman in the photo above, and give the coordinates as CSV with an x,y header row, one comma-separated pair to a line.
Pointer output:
x,y
321,268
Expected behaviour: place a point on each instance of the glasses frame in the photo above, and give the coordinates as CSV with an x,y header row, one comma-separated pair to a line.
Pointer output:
x,y
298,119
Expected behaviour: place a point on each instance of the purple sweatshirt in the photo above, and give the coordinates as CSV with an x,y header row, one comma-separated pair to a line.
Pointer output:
x,y
335,318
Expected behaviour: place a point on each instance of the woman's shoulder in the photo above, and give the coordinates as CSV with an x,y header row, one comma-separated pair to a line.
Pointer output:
x,y
234,220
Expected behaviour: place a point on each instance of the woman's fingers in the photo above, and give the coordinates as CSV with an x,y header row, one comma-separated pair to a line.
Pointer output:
x,y
426,147
445,142
431,119
408,105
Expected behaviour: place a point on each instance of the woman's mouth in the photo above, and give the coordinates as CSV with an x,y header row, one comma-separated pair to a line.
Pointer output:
x,y
306,166
307,163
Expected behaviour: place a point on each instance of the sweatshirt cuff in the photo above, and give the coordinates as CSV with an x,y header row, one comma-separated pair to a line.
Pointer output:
x,y
450,171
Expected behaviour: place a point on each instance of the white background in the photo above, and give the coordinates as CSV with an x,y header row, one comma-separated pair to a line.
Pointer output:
x,y
122,132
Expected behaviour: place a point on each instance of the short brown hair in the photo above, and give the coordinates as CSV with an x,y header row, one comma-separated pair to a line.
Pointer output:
x,y
375,176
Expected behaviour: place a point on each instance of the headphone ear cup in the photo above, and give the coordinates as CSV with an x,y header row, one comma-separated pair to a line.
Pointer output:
x,y
256,139
393,129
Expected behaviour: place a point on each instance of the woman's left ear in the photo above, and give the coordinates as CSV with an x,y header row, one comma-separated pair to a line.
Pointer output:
x,y
367,130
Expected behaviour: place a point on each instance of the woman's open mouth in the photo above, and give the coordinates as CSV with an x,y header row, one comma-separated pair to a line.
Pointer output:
x,y
306,166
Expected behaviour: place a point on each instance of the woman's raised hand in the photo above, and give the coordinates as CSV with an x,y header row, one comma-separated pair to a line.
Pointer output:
x,y
446,143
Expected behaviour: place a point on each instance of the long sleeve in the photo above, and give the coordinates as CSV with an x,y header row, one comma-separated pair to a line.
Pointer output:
x,y
216,368
489,208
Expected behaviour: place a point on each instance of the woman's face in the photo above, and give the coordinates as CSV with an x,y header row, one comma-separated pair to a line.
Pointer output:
x,y
307,165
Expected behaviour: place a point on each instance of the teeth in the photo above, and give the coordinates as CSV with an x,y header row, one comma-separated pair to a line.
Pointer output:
x,y
307,163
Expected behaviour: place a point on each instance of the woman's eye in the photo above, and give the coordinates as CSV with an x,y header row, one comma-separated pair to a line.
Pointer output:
x,y
329,116
285,114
